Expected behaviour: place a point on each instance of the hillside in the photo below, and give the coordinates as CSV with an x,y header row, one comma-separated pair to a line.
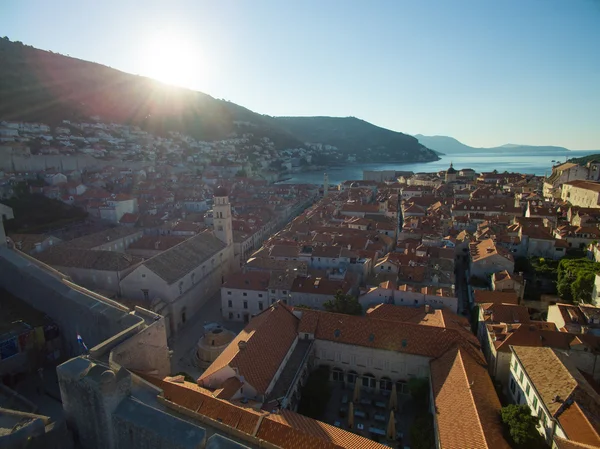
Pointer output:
x,y
449,145
41,86
585,159
356,136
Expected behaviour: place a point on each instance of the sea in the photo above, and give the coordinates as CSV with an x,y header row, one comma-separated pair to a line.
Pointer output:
x,y
529,163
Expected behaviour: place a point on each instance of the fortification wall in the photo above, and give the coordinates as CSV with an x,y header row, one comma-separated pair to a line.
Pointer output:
x,y
10,162
72,310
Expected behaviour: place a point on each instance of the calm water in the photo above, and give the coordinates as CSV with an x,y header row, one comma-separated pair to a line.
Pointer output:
x,y
535,164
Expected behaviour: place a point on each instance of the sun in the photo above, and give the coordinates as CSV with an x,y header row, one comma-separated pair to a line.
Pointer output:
x,y
173,60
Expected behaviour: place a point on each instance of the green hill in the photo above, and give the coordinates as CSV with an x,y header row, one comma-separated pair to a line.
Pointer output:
x,y
41,86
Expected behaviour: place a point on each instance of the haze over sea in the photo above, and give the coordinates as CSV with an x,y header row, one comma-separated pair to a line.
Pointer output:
x,y
529,163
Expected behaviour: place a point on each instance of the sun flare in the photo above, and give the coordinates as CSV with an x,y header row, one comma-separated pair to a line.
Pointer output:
x,y
173,60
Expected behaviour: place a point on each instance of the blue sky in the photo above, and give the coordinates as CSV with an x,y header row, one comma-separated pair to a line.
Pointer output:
x,y
486,72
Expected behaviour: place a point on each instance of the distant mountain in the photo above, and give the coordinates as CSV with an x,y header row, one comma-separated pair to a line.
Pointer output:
x,y
449,145
41,86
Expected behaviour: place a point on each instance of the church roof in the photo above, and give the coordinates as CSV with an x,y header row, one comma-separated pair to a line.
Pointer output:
x,y
176,262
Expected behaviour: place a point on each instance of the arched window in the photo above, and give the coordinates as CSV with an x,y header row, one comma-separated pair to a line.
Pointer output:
x,y
369,381
402,387
385,384
338,375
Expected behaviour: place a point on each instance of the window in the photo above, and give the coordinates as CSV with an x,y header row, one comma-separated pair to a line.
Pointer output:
x,y
229,293
245,294
146,294
544,419
230,315
521,377
527,389
515,365
260,305
230,303
272,291
285,292
513,385
535,403
260,295
245,304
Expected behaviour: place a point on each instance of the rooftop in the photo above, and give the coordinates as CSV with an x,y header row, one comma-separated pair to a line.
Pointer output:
x,y
466,404
174,263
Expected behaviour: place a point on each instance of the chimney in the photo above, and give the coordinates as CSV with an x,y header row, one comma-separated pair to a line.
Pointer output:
x,y
241,345
157,244
427,308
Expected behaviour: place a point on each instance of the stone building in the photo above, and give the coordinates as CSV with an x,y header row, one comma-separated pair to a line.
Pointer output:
x,y
178,281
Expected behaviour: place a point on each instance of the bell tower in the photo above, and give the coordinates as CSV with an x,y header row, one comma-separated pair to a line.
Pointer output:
x,y
222,216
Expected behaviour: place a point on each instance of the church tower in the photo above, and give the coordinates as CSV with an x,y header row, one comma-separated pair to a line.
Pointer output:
x,y
325,185
222,216
451,174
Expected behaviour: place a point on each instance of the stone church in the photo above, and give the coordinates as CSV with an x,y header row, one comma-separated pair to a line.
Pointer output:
x,y
177,282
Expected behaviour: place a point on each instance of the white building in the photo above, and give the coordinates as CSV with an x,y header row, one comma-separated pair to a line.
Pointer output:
x,y
245,295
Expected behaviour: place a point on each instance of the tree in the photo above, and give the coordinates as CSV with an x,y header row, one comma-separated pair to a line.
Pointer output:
x,y
521,426
576,279
342,303
241,174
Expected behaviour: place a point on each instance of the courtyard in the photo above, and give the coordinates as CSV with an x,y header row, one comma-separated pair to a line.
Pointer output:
x,y
367,411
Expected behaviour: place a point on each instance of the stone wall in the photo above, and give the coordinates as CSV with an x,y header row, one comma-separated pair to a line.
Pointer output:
x,y
71,308
147,351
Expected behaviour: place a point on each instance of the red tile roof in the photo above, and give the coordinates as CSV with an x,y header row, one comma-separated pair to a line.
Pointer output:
x,y
467,407
265,342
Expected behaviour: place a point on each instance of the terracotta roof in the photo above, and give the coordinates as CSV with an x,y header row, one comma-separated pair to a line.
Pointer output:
x,y
229,388
251,280
319,286
467,407
266,340
293,431
576,425
200,400
410,338
496,297
435,317
487,248
561,443
129,218
505,313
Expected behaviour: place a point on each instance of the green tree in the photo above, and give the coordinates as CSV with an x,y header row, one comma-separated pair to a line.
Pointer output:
x,y
575,279
521,426
342,303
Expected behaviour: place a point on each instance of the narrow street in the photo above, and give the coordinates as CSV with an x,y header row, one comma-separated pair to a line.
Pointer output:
x,y
462,286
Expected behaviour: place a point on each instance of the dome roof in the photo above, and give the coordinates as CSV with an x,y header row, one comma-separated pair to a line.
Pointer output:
x,y
451,170
221,191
